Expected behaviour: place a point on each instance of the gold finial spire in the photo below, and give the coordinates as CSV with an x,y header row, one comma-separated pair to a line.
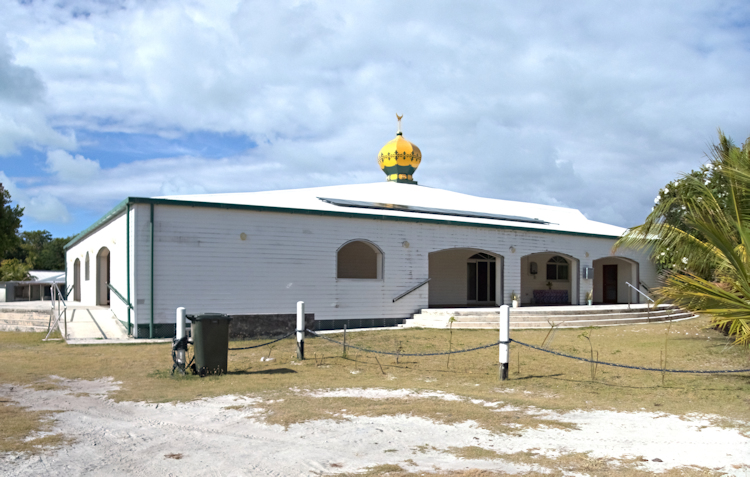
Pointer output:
x,y
400,158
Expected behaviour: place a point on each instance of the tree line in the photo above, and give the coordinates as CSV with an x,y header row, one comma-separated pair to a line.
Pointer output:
x,y
21,252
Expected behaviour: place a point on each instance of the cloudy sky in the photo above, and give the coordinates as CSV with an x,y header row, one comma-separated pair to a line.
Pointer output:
x,y
590,105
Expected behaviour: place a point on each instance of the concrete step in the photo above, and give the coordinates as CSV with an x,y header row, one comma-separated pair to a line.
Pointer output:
x,y
592,310
83,323
543,311
539,317
24,322
574,323
544,324
31,315
666,314
23,327
559,318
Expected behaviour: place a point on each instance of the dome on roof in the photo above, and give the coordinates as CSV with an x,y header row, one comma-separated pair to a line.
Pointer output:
x,y
399,158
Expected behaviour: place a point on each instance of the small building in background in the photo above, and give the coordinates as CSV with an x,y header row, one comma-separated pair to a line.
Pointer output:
x,y
362,255
39,287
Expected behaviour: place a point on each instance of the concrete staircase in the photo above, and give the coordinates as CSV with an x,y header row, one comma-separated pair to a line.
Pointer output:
x,y
541,316
22,319
84,323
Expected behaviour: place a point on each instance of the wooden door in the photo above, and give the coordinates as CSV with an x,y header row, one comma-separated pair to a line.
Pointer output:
x,y
609,283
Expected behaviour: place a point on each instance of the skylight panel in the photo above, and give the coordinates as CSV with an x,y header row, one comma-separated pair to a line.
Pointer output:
x,y
429,210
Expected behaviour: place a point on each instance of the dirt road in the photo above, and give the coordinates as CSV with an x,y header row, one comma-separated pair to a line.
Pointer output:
x,y
205,438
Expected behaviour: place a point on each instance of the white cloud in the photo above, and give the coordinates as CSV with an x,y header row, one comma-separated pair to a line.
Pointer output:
x,y
47,209
22,116
75,169
179,186
584,104
37,204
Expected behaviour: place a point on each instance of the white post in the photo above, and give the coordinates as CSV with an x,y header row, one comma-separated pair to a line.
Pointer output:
x,y
300,330
179,334
52,312
504,341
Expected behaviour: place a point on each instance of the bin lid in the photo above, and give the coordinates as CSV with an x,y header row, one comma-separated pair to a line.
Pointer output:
x,y
209,316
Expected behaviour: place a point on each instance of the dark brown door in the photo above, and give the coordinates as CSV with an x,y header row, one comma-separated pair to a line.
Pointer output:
x,y
609,274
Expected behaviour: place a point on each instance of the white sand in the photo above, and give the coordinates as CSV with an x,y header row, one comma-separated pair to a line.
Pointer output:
x,y
130,438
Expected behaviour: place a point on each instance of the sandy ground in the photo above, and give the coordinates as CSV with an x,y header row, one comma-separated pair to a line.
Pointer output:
x,y
132,438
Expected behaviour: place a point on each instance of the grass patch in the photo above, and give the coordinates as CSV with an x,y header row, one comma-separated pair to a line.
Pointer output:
x,y
384,469
26,431
287,409
584,463
473,452
563,465
537,379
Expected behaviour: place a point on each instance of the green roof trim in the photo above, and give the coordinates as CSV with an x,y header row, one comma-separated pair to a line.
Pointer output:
x,y
329,213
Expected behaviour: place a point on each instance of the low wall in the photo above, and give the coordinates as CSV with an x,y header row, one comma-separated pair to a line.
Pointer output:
x,y
273,325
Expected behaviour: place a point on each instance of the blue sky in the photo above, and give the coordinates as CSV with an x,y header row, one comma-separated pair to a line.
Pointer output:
x,y
590,105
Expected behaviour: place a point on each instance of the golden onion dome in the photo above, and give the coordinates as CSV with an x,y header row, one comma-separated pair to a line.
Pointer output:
x,y
399,158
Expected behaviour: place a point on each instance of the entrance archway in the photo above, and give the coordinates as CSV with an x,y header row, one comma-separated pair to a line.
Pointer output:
x,y
102,277
77,280
465,277
611,277
549,278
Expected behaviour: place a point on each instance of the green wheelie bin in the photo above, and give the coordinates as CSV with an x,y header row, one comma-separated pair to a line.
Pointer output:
x,y
210,342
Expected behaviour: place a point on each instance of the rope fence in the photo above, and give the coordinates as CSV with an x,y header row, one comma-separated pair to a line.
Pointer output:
x,y
642,368
402,354
264,344
538,348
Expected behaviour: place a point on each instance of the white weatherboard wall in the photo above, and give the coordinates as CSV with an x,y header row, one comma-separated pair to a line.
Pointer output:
x,y
111,235
210,259
202,263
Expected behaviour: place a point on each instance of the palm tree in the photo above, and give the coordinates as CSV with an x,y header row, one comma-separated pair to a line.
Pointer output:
x,y
700,233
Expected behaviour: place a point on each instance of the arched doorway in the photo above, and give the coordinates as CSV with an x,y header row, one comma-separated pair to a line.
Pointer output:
x,y
549,278
611,278
77,280
465,277
102,277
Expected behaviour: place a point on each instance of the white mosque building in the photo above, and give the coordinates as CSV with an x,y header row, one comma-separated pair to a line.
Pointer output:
x,y
362,255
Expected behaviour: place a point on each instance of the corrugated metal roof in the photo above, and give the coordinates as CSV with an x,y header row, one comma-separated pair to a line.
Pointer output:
x,y
47,276
477,209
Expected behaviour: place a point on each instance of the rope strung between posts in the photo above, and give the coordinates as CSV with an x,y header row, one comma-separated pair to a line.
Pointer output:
x,y
633,367
366,350
402,354
264,344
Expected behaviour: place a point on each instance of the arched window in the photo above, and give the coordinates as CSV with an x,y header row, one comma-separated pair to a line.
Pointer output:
x,y
557,268
87,268
359,259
